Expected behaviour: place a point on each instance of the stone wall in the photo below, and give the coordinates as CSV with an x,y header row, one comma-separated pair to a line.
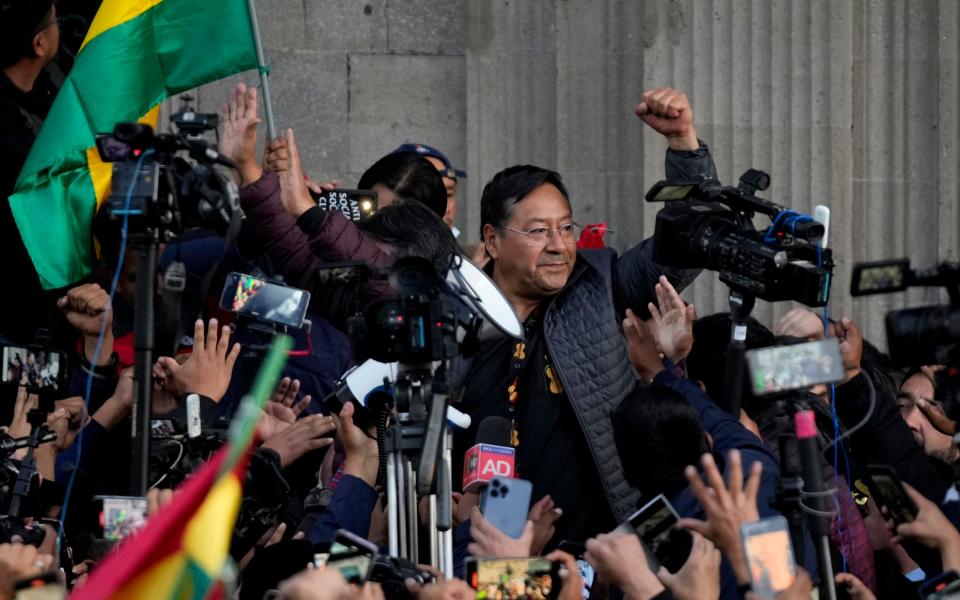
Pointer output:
x,y
850,103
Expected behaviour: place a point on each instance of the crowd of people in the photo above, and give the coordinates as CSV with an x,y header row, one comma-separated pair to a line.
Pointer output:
x,y
610,392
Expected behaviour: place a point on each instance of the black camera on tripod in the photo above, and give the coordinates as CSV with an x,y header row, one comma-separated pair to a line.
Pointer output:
x,y
705,225
431,316
157,187
924,335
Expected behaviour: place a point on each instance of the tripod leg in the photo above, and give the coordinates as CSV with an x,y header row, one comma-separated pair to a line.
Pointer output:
x,y
393,514
410,488
432,532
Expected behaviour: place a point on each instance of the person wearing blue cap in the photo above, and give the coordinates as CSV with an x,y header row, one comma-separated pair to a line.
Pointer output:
x,y
449,174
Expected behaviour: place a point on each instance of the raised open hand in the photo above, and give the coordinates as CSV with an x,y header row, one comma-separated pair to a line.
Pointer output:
x,y
671,323
727,506
283,157
283,408
239,138
641,347
208,370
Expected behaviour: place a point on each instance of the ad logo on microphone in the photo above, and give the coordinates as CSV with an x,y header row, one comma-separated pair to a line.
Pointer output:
x,y
483,462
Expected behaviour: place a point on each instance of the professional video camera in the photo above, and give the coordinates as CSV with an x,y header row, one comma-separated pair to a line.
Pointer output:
x,y
157,194
705,225
166,190
925,335
431,317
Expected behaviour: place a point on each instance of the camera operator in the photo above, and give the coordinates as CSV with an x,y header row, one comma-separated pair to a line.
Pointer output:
x,y
559,383
893,435
354,498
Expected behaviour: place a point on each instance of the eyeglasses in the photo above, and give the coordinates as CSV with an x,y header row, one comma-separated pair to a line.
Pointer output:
x,y
568,233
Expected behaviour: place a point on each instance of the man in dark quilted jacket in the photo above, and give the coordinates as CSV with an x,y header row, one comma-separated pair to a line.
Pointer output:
x,y
559,384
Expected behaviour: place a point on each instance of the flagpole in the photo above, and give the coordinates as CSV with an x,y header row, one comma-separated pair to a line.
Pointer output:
x,y
262,70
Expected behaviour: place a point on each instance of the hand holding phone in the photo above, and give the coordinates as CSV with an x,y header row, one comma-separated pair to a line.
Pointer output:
x,y
259,299
491,542
796,366
356,205
351,555
769,554
620,558
888,491
505,504
931,528
664,544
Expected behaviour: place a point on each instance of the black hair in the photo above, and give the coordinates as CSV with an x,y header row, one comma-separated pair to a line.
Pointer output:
x,y
657,434
20,22
410,176
510,186
412,229
707,361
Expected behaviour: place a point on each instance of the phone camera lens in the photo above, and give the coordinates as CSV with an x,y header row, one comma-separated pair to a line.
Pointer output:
x,y
494,493
504,489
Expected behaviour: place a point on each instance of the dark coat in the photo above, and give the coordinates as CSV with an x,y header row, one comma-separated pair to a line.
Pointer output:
x,y
583,334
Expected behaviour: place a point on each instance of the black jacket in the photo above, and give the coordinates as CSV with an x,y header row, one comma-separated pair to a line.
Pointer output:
x,y
885,437
21,114
583,335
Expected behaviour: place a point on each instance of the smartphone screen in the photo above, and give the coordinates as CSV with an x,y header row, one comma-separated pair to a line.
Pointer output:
x,y
356,205
352,556
253,297
121,516
769,554
889,492
512,578
794,367
35,368
588,573
654,524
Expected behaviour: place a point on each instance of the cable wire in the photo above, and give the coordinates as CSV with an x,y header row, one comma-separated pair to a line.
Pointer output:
x,y
88,388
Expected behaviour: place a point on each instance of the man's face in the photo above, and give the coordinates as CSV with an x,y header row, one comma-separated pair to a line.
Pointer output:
x,y
451,186
524,268
934,443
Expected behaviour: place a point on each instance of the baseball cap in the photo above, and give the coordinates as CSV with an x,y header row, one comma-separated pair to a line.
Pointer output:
x,y
424,150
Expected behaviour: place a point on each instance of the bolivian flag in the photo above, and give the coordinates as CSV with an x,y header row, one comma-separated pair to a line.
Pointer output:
x,y
183,550
136,54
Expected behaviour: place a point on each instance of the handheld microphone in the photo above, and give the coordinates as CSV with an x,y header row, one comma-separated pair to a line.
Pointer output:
x,y
367,385
492,455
